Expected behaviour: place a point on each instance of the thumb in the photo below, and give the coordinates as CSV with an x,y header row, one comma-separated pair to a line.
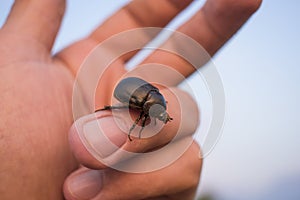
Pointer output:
x,y
176,181
83,184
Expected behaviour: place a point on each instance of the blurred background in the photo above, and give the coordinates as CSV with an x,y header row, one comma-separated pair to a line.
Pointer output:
x,y
257,156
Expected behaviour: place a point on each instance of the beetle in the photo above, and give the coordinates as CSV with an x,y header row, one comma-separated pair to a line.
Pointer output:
x,y
137,94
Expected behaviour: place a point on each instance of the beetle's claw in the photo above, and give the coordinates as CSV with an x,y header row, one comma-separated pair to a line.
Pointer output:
x,y
129,137
168,119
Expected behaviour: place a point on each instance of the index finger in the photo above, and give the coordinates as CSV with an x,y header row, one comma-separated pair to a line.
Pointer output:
x,y
99,140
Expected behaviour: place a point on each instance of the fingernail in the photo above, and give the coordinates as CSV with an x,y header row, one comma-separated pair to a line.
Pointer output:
x,y
103,136
85,185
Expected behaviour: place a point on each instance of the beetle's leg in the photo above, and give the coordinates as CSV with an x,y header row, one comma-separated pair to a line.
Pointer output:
x,y
111,107
134,124
143,125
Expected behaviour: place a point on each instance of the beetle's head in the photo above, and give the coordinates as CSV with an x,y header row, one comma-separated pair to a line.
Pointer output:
x,y
165,117
159,112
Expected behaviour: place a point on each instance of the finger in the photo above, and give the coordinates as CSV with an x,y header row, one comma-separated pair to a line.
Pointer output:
x,y
140,14
177,181
101,139
211,27
36,20
146,13
83,184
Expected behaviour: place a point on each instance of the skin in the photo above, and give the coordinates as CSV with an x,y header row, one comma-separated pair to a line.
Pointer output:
x,y
36,97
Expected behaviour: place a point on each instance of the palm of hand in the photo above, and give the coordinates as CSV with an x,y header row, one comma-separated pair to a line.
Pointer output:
x,y
35,119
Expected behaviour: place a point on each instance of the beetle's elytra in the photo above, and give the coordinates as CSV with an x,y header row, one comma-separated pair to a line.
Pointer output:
x,y
137,94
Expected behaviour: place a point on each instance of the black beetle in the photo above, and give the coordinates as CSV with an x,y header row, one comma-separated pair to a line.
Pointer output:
x,y
140,95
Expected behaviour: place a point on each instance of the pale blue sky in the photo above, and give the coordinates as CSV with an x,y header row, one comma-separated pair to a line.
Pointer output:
x,y
257,156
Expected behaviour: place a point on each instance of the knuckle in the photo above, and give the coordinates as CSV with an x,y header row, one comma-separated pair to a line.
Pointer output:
x,y
193,166
196,164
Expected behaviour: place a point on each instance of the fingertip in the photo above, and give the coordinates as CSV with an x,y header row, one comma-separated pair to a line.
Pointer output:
x,y
94,137
83,184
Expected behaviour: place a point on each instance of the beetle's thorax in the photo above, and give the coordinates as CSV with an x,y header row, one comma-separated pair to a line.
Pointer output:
x,y
153,98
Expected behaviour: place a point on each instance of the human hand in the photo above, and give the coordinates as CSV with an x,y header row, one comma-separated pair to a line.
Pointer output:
x,y
36,92
99,182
